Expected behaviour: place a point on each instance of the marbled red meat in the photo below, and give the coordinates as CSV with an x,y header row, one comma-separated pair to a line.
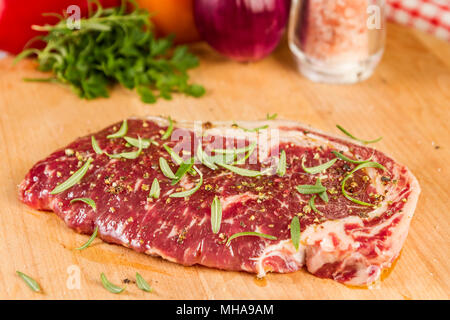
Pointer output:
x,y
345,241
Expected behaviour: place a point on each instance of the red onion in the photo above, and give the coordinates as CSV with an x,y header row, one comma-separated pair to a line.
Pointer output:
x,y
244,30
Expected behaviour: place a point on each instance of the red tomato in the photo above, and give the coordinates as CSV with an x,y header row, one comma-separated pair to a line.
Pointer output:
x,y
173,17
17,17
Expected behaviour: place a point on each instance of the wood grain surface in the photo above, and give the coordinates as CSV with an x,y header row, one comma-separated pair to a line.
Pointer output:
x,y
407,101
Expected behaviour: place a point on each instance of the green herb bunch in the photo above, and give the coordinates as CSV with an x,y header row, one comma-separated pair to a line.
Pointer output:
x,y
114,45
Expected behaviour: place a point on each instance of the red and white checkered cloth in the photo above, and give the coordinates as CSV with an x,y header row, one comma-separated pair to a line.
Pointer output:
x,y
432,16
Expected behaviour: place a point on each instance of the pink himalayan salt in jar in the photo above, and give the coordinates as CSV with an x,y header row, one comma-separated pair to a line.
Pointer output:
x,y
337,41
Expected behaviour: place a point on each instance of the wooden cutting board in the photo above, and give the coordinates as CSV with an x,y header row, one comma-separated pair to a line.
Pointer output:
x,y
407,101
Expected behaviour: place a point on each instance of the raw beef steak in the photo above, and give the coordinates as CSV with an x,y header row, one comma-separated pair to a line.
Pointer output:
x,y
350,241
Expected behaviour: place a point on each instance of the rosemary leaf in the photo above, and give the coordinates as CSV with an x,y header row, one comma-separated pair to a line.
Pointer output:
x,y
342,157
323,195
216,215
310,189
249,153
133,154
226,158
359,167
205,159
357,139
183,169
109,286
74,179
95,146
88,243
175,157
295,232
250,233
88,201
241,171
155,189
319,168
189,192
121,132
165,168
281,170
31,283
236,151
271,117
313,205
145,142
252,129
142,284
169,130
129,155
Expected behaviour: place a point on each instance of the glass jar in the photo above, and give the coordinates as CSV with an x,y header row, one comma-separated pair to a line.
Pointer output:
x,y
337,41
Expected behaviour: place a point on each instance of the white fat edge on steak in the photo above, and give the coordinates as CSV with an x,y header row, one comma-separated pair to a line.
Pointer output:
x,y
368,270
151,251
221,126
283,249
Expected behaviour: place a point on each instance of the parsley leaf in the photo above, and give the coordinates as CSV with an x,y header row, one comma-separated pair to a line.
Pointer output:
x,y
115,46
